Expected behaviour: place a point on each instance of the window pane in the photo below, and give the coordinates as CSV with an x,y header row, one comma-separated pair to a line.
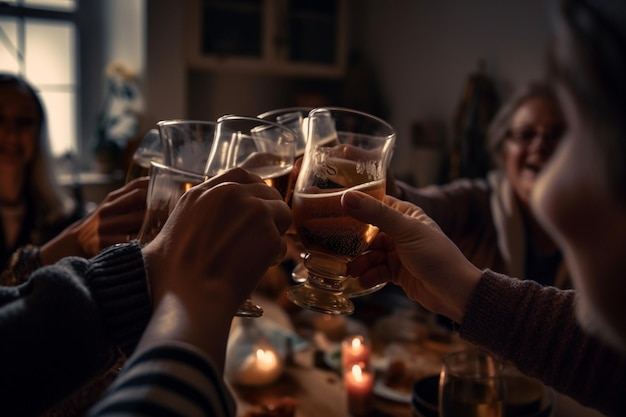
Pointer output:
x,y
52,4
61,119
49,51
8,54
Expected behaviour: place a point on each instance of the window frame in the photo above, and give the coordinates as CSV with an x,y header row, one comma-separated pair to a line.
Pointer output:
x,y
23,12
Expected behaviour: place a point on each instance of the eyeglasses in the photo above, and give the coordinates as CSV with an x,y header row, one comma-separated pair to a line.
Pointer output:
x,y
525,136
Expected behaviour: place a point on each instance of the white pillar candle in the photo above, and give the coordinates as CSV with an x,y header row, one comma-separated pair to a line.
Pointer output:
x,y
261,367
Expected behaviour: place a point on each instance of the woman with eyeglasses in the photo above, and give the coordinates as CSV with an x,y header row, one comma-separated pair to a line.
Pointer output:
x,y
490,219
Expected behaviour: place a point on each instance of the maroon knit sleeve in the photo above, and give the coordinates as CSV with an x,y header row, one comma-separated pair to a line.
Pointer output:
x,y
535,328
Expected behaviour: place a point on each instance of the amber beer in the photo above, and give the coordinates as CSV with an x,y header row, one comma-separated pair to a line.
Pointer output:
x,y
323,226
272,169
159,209
470,399
279,178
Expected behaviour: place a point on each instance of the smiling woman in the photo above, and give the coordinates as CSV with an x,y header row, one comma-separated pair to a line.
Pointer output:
x,y
490,219
33,206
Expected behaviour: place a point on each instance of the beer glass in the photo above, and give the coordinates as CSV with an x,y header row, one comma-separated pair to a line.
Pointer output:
x,y
297,119
150,149
187,143
261,147
346,150
294,118
471,384
165,186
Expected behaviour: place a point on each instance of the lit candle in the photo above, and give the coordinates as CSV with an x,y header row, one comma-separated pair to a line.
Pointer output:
x,y
260,368
355,350
359,387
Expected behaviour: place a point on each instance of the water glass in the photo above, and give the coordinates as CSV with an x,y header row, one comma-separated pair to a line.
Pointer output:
x,y
471,384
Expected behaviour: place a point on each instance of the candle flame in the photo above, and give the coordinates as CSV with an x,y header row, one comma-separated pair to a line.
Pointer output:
x,y
357,373
356,343
266,359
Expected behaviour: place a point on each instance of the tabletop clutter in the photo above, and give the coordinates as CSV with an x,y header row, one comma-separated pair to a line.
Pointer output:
x,y
313,364
302,364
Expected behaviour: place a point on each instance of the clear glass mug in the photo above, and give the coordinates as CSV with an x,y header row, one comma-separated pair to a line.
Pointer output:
x,y
261,147
297,119
165,187
150,149
346,150
471,383
187,144
293,117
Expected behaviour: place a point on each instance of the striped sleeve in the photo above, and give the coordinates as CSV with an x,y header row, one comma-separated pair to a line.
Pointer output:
x,y
173,379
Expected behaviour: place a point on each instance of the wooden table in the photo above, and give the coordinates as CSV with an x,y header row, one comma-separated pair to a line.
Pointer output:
x,y
318,391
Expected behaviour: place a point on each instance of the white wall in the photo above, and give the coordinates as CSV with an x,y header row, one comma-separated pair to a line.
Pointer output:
x,y
165,86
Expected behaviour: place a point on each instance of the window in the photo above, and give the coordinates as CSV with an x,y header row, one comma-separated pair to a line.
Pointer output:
x,y
38,40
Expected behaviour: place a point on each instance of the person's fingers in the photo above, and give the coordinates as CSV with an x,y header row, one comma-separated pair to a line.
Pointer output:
x,y
126,223
370,267
390,216
258,189
238,175
411,210
133,199
136,184
369,210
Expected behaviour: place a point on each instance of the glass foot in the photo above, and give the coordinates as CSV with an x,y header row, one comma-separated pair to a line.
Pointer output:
x,y
354,289
249,309
299,273
328,302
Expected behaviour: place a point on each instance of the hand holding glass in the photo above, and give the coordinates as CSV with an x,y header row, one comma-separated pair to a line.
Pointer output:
x,y
261,147
165,187
346,150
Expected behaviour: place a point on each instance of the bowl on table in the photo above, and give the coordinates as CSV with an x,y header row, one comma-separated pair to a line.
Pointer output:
x,y
425,397
526,396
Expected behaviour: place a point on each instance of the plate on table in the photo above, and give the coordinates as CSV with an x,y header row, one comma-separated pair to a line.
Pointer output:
x,y
384,391
406,365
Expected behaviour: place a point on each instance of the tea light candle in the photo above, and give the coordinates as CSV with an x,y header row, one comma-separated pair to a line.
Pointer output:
x,y
262,367
359,385
355,350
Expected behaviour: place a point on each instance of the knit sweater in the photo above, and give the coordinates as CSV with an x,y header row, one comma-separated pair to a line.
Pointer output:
x,y
536,329
62,327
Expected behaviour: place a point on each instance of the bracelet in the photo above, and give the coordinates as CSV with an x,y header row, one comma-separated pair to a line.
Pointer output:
x,y
24,261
